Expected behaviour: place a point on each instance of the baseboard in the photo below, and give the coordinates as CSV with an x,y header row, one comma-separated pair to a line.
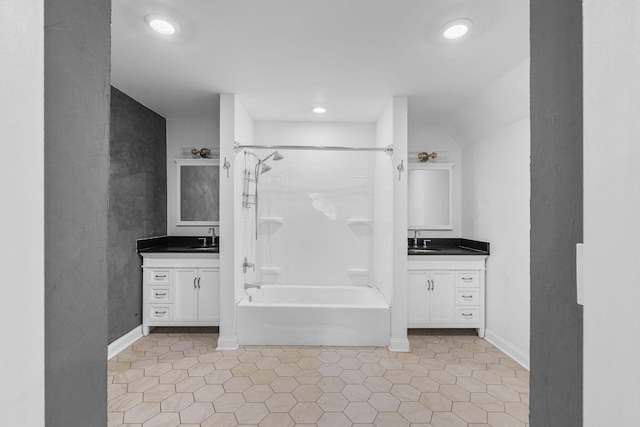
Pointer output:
x,y
507,348
124,341
227,343
400,345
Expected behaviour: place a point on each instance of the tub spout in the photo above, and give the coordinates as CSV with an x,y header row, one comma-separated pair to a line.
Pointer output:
x,y
251,285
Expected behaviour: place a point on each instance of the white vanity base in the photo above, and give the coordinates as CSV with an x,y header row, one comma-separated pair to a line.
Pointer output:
x,y
447,292
180,289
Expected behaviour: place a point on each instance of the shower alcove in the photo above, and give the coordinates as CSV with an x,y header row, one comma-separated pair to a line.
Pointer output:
x,y
313,225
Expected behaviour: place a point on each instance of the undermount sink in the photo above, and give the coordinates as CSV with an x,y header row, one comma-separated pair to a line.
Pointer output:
x,y
423,250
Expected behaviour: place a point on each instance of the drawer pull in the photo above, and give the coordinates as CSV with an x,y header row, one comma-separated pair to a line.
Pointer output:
x,y
158,276
198,283
467,296
467,314
467,278
161,294
160,312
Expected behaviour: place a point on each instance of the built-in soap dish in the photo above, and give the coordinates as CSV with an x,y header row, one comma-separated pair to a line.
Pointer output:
x,y
269,224
358,221
360,226
271,220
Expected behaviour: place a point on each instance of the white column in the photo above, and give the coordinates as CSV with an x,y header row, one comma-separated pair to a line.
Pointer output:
x,y
22,215
228,339
611,212
399,341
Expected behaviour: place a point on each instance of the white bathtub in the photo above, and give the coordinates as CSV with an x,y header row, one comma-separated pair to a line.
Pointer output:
x,y
314,315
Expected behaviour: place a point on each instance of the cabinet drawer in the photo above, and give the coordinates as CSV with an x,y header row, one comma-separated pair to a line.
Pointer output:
x,y
160,276
160,313
467,315
467,296
468,278
160,294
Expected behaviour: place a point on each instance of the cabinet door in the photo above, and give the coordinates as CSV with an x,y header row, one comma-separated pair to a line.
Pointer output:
x,y
185,306
443,297
417,313
209,295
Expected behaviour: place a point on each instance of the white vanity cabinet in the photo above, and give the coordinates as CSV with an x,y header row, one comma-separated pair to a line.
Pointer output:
x,y
446,292
180,289
432,296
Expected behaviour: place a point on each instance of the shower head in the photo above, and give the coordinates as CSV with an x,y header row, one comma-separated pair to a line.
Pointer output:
x,y
265,167
276,156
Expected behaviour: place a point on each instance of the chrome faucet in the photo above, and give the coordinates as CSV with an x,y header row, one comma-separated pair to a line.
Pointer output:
x,y
203,240
424,243
416,233
247,265
251,285
213,236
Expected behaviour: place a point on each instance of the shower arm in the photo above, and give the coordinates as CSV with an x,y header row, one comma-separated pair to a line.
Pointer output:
x,y
265,159
269,156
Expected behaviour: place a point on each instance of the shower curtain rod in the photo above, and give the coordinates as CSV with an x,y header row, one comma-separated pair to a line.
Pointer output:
x,y
388,149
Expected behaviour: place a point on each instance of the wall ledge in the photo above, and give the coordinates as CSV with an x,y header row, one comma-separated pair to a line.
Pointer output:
x,y
124,341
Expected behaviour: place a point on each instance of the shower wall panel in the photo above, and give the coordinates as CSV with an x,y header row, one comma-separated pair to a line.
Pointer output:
x,y
316,208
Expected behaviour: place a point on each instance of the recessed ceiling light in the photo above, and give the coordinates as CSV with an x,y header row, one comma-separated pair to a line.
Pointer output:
x,y
456,28
161,24
319,110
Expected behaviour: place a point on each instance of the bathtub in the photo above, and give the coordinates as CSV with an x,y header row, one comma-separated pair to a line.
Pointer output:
x,y
314,315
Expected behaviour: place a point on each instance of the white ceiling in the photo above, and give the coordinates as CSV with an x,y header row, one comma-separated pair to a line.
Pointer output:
x,y
281,57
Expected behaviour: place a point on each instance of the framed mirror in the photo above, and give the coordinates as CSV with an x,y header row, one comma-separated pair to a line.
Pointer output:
x,y
430,196
198,198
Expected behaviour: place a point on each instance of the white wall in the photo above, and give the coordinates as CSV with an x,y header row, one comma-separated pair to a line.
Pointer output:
x,y
186,133
493,129
611,211
22,124
430,137
315,133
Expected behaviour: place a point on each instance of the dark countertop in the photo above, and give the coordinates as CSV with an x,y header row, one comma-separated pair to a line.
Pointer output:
x,y
188,244
447,247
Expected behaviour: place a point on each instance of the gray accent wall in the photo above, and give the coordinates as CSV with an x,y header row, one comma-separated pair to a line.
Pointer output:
x,y
137,204
556,212
77,66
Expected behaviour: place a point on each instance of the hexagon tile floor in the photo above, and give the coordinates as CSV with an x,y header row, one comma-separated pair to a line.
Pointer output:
x,y
178,379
